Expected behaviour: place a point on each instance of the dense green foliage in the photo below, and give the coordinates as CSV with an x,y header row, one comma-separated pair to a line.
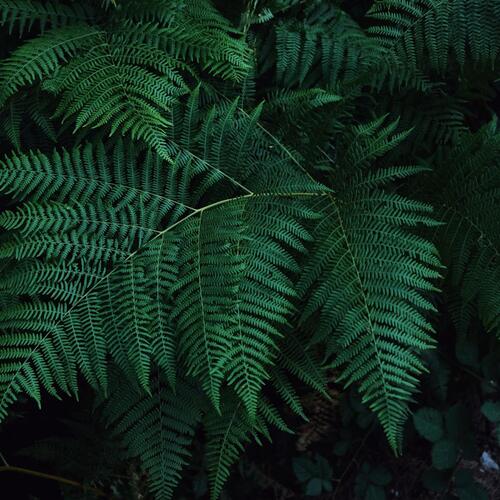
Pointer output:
x,y
210,206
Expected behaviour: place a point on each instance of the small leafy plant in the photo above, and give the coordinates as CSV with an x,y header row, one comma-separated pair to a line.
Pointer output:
x,y
315,474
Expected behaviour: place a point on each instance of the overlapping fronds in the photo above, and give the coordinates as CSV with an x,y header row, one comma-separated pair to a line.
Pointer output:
x,y
76,222
22,15
329,49
35,354
427,33
127,78
469,239
43,55
194,30
215,308
197,257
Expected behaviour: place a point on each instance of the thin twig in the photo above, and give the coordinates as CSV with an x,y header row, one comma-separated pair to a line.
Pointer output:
x,y
52,477
3,460
356,453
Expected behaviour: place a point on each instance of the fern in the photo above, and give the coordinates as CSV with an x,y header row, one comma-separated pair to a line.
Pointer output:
x,y
468,238
157,429
23,14
202,220
330,50
226,436
36,353
41,56
432,30
127,78
224,315
328,45
373,327
242,296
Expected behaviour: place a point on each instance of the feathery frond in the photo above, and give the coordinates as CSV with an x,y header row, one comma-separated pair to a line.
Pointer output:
x,y
468,206
368,278
158,428
430,31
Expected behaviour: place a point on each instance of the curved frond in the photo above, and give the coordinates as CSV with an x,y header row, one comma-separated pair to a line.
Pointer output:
x,y
41,56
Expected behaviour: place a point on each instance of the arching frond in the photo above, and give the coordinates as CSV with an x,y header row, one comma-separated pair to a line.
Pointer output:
x,y
42,56
126,75
215,308
36,353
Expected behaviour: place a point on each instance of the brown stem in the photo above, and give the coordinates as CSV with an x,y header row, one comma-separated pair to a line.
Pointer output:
x,y
59,479
354,457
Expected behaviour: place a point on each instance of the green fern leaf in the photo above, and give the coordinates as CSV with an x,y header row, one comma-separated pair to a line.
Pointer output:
x,y
41,56
36,352
226,435
156,428
23,14
469,236
429,31
366,289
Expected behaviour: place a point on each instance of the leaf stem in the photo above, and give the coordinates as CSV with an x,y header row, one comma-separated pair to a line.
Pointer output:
x,y
52,477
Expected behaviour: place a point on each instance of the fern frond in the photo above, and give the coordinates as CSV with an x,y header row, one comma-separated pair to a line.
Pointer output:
x,y
194,31
57,218
469,238
328,45
157,428
368,279
430,31
24,14
302,363
85,330
41,56
127,76
36,353
83,175
11,124
115,84
329,49
370,292
58,281
226,435
285,389
228,432
132,304
205,293
228,308
300,102
75,222
163,255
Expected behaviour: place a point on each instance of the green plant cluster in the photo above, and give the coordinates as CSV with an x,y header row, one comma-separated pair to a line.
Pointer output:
x,y
209,206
